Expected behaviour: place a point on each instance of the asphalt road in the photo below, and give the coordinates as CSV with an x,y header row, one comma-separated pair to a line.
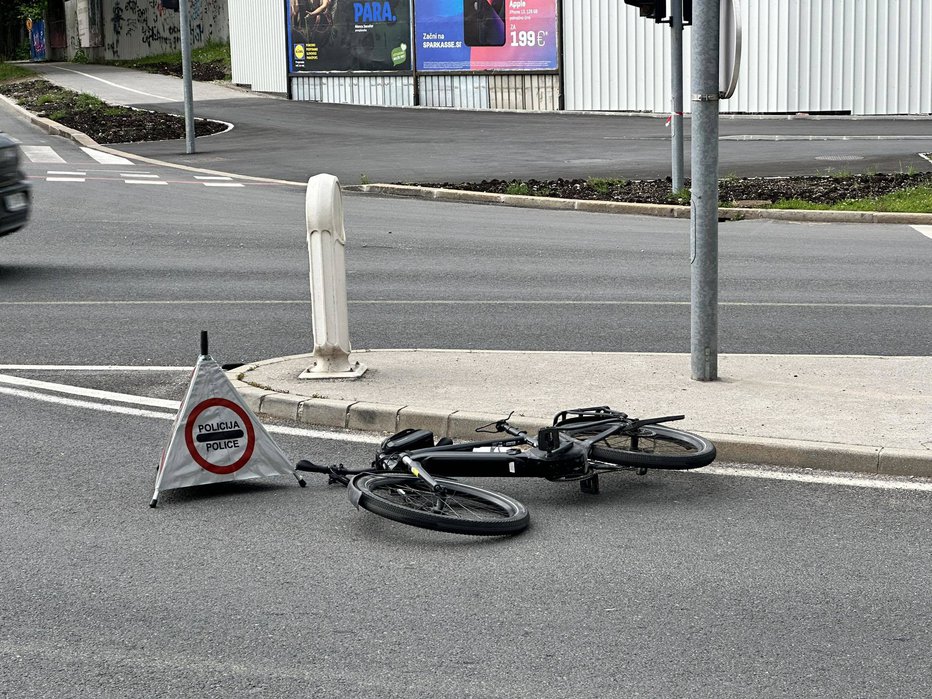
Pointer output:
x,y
133,278
667,585
289,140
710,584
286,139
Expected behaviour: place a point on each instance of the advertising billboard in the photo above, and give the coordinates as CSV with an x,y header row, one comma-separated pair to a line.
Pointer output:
x,y
469,35
345,35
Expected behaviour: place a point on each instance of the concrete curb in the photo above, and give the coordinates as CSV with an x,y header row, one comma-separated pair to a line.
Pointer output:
x,y
613,207
386,418
458,195
52,127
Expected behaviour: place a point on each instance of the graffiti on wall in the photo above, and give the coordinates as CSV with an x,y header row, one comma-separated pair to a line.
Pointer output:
x,y
145,28
36,39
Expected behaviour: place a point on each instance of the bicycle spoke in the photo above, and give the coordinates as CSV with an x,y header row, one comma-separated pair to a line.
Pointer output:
x,y
417,496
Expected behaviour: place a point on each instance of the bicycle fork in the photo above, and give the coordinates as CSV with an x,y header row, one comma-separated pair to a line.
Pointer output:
x,y
440,504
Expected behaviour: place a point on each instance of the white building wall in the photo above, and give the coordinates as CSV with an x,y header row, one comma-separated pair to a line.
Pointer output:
x,y
257,45
857,56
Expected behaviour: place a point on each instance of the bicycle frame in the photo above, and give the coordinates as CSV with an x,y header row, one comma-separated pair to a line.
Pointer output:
x,y
553,455
415,479
461,460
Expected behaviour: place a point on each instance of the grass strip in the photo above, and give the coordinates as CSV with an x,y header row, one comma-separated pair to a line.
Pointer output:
x,y
915,200
11,71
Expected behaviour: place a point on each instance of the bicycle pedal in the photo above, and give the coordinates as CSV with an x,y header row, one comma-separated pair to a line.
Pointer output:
x,y
590,485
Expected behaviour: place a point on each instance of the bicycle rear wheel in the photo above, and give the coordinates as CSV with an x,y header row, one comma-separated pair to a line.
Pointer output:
x,y
651,446
459,509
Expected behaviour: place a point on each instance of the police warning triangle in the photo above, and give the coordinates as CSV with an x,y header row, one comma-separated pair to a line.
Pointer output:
x,y
216,437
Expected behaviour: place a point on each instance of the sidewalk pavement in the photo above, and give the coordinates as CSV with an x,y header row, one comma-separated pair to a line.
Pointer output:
x,y
840,413
844,413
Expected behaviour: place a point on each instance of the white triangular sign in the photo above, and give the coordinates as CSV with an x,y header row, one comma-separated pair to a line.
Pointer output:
x,y
216,437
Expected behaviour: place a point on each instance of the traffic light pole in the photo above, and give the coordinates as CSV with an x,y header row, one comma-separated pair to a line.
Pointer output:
x,y
185,18
676,92
703,229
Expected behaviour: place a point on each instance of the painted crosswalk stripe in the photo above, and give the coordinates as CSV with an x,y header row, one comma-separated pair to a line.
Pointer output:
x,y
65,176
925,230
145,182
138,175
217,181
106,158
41,154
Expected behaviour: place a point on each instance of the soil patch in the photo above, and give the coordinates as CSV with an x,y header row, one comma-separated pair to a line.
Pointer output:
x,y
100,121
207,72
751,191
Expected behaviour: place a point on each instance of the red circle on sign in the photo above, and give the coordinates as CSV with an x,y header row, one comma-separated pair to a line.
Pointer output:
x,y
192,449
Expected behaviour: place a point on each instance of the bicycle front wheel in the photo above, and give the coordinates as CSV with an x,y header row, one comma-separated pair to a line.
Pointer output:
x,y
651,446
459,508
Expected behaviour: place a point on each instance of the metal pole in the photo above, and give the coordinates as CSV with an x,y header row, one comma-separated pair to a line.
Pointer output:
x,y
703,230
676,91
184,7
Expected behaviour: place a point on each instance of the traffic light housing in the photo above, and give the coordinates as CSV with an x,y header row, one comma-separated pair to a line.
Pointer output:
x,y
657,9
652,9
170,5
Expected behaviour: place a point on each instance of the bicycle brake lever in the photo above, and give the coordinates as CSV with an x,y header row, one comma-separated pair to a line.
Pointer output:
x,y
498,425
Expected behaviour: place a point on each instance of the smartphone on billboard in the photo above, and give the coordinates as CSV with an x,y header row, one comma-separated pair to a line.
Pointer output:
x,y
484,22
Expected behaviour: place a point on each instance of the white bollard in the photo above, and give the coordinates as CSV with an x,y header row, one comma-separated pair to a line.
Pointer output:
x,y
326,239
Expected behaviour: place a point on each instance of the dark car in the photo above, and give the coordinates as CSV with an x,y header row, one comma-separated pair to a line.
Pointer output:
x,y
15,195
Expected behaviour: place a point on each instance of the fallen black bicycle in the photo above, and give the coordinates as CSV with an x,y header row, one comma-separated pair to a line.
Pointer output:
x,y
411,478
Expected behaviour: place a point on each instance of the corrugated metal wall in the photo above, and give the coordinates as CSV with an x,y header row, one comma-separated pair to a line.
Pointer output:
x,y
858,56
379,90
455,91
258,52
490,91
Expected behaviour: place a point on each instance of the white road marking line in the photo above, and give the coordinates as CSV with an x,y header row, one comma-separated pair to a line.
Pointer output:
x,y
89,392
122,87
106,158
791,137
857,480
460,302
138,174
41,154
174,405
149,303
66,172
925,230
71,402
89,367
145,182
65,179
494,302
217,181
